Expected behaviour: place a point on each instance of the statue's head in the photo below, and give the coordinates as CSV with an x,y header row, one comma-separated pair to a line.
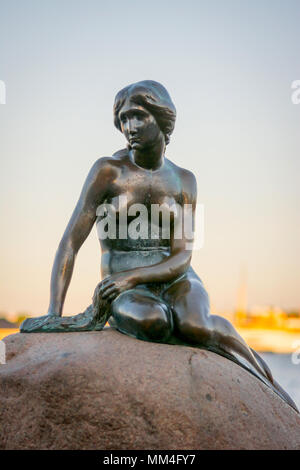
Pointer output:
x,y
143,112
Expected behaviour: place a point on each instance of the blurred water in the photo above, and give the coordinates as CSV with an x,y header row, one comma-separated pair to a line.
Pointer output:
x,y
285,373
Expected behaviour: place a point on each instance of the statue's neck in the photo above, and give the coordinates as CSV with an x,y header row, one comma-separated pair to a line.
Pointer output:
x,y
150,158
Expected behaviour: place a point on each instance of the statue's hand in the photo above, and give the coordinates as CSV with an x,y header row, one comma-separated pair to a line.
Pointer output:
x,y
115,284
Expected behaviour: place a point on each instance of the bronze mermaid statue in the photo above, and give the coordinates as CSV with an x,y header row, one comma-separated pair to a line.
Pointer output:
x,y
148,290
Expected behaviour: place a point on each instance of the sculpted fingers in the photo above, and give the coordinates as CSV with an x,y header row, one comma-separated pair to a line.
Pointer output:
x,y
113,285
112,296
109,290
105,284
105,281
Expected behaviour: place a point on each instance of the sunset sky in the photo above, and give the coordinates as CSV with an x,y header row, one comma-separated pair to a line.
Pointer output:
x,y
228,66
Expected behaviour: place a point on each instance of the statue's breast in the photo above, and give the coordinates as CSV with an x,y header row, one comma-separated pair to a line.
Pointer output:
x,y
140,209
128,205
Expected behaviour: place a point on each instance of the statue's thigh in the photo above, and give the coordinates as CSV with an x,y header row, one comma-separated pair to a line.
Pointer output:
x,y
141,314
190,306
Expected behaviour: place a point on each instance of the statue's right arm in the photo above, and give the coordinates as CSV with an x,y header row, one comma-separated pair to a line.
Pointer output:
x,y
78,228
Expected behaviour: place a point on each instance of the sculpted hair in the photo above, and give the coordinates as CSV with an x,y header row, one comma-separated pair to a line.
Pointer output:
x,y
152,96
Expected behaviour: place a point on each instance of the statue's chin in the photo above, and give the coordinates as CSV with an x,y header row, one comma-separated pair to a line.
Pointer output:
x,y
136,145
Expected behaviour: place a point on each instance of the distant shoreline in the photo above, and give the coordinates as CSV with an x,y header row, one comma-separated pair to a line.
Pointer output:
x,y
8,331
267,340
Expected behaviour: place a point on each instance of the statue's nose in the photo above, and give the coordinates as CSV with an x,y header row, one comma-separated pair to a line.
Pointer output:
x,y
132,130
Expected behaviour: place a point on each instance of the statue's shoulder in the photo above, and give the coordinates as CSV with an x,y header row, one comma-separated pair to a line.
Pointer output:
x,y
187,176
108,166
119,154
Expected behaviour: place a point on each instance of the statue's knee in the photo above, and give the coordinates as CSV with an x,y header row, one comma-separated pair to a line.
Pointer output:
x,y
156,324
143,318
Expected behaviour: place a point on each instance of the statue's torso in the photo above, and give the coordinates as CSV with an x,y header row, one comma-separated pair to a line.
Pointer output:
x,y
134,185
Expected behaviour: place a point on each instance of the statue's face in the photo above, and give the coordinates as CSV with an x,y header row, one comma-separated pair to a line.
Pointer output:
x,y
138,125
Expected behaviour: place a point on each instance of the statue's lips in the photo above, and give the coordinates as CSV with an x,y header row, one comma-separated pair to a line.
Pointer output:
x,y
133,140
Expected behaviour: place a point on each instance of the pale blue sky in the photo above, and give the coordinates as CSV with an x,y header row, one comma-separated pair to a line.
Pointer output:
x,y
228,65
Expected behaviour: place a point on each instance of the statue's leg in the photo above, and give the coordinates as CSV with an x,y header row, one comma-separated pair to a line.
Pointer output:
x,y
139,313
194,324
